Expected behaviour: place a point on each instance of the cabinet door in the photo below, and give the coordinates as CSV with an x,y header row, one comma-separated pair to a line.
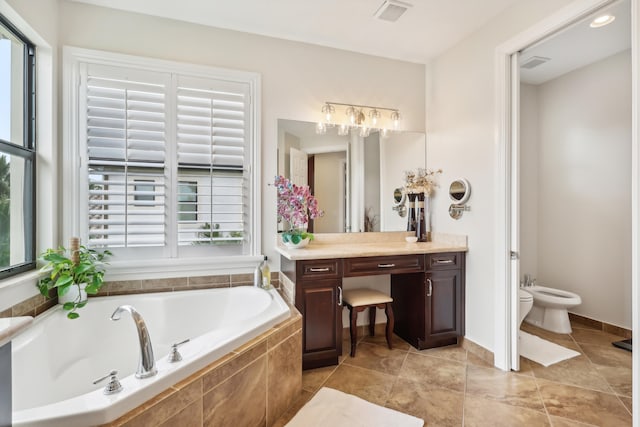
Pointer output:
x,y
322,322
445,305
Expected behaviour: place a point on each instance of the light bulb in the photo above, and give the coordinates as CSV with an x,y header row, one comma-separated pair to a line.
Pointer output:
x,y
321,128
328,111
343,130
395,116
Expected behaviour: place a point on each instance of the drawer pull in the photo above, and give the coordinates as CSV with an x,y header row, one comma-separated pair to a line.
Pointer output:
x,y
444,261
430,291
340,295
318,270
386,265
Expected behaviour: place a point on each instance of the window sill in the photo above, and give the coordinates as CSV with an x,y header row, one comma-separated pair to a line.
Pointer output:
x,y
18,288
164,268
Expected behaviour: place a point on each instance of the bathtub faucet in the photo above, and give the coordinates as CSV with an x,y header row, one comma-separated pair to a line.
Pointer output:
x,y
147,363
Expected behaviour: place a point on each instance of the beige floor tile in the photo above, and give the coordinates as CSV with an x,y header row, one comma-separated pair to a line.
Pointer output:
x,y
480,412
526,367
436,406
547,335
378,358
381,339
312,379
369,385
452,352
577,371
304,397
474,359
619,378
506,387
587,406
607,355
587,336
563,422
434,371
627,403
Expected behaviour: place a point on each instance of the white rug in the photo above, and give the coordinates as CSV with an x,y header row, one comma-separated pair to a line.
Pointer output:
x,y
542,351
333,408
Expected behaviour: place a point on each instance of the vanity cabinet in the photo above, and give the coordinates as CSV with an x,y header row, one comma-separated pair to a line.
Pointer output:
x,y
429,306
427,291
318,298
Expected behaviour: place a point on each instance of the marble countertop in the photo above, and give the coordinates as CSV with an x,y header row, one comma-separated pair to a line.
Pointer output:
x,y
10,326
352,245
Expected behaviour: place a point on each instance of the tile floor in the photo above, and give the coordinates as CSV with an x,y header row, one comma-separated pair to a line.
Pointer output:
x,y
452,387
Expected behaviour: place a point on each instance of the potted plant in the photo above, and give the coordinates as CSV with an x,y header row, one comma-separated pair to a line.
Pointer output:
x,y
73,276
296,205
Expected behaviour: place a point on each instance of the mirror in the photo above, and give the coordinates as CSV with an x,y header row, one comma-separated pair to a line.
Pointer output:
x,y
459,191
354,178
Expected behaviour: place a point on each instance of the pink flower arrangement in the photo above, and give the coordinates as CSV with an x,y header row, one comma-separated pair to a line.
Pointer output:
x,y
296,205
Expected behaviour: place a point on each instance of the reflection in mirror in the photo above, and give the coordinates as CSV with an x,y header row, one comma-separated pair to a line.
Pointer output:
x,y
353,178
459,191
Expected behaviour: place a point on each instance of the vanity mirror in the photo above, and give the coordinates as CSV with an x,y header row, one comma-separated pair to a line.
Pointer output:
x,y
459,192
354,178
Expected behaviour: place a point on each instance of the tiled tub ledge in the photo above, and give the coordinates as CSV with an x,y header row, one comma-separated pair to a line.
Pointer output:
x,y
252,385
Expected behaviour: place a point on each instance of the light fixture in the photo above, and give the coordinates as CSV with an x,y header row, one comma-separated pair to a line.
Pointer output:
x,y
602,20
395,116
360,116
328,110
321,128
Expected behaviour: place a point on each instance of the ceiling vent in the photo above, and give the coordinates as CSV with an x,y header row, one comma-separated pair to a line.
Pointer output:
x,y
533,62
391,10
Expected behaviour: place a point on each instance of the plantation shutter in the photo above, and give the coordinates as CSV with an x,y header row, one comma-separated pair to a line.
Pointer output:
x,y
126,116
213,131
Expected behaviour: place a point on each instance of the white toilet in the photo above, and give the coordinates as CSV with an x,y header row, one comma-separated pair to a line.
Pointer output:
x,y
550,307
526,302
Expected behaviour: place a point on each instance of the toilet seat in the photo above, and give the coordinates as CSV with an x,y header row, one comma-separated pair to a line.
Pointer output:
x,y
524,296
557,298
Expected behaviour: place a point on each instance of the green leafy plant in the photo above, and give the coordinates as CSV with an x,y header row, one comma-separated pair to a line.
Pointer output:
x,y
65,273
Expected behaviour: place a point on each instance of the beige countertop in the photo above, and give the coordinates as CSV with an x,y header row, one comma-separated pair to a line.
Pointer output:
x,y
352,245
10,326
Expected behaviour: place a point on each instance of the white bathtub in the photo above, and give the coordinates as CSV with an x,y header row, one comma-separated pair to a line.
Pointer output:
x,y
56,360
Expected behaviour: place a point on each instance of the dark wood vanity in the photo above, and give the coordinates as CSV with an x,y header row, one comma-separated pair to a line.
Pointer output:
x,y
427,290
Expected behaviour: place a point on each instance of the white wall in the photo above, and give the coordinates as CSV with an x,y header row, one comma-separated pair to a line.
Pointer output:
x,y
461,140
529,148
297,78
584,213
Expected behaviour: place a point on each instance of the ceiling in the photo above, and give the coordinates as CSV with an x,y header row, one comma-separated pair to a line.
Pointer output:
x,y
426,29
579,45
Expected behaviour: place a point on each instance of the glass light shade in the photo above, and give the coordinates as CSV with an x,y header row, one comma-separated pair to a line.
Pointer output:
x,y
321,128
343,130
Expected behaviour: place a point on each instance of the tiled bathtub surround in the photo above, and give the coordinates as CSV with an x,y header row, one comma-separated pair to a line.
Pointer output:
x,y
39,304
253,385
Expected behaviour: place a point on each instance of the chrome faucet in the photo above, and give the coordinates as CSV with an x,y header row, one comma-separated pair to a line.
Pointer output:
x,y
147,363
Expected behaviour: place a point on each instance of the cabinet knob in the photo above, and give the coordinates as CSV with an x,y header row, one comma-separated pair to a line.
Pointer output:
x,y
430,289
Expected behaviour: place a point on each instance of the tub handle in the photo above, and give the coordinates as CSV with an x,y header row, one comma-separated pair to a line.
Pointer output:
x,y
174,355
340,295
113,386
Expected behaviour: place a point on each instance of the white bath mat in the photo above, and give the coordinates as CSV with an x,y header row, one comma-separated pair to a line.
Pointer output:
x,y
542,351
334,408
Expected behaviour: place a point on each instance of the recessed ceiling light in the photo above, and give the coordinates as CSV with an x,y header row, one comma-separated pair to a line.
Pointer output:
x,y
602,20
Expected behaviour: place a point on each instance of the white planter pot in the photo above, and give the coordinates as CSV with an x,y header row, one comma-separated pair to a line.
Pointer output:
x,y
72,294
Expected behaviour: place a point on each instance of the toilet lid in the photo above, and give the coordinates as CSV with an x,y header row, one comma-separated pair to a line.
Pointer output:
x,y
524,295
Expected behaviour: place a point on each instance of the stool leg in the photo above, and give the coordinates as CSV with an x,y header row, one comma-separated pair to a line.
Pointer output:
x,y
353,329
389,312
372,320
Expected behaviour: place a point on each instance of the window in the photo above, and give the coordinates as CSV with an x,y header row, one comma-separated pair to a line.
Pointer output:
x,y
168,158
17,151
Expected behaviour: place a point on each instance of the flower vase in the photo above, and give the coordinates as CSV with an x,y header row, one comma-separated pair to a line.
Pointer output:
x,y
301,244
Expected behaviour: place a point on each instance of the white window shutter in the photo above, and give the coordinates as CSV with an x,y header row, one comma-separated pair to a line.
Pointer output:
x,y
126,117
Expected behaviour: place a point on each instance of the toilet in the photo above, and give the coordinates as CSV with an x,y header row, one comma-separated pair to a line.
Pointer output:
x,y
526,302
550,307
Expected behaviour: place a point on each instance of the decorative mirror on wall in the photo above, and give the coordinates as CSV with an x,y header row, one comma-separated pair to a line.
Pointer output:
x,y
399,199
459,192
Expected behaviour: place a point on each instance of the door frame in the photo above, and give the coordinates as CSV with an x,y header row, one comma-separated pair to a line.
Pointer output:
x,y
507,147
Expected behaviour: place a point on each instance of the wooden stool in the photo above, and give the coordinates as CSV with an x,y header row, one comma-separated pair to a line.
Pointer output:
x,y
359,299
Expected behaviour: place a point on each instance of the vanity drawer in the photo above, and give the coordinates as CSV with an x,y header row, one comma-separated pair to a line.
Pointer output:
x,y
444,261
383,265
319,269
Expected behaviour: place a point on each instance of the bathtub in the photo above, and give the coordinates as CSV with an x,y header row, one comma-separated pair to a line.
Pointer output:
x,y
56,360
